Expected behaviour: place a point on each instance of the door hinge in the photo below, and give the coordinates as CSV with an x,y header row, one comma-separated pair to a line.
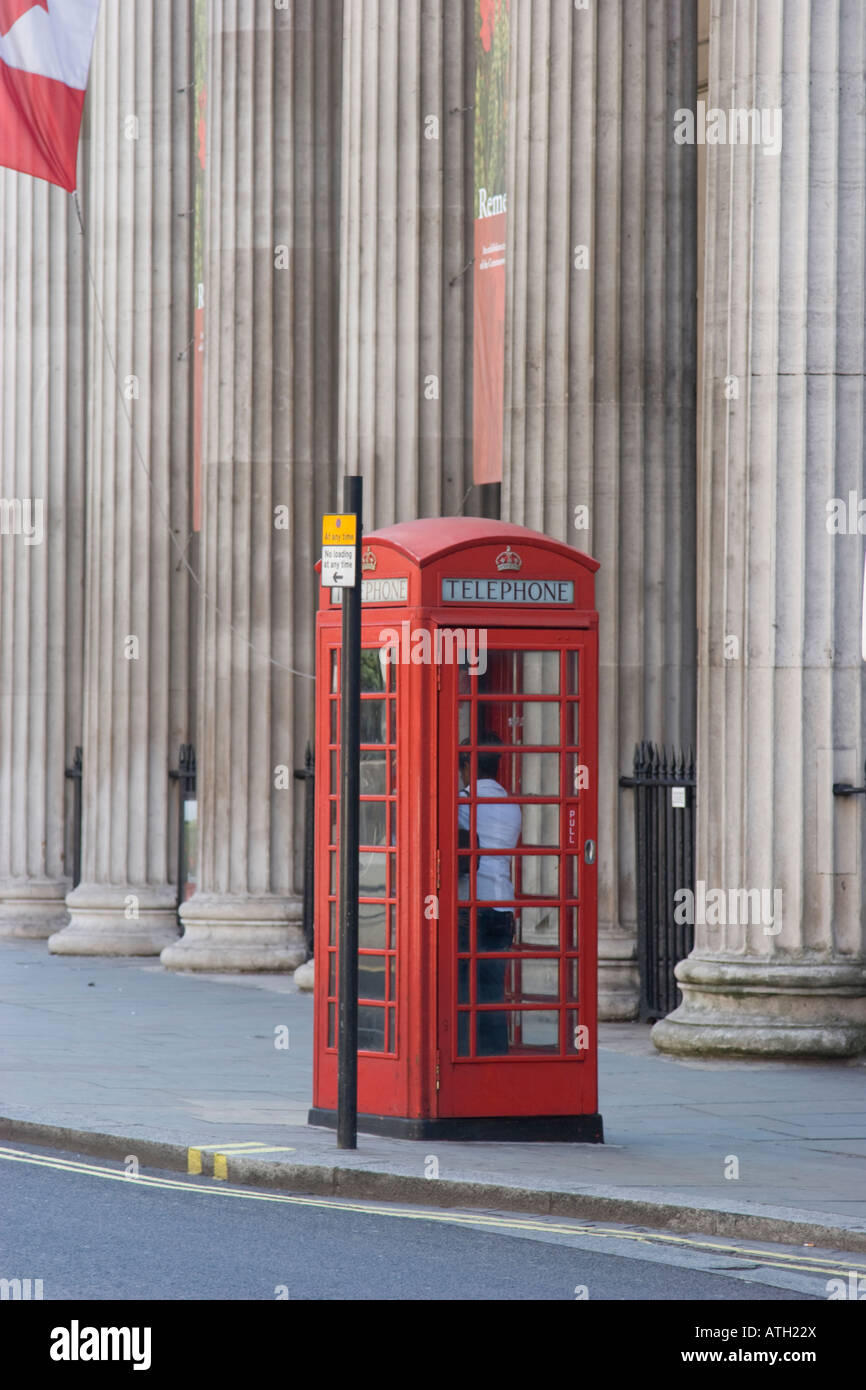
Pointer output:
x,y
438,676
437,1071
438,868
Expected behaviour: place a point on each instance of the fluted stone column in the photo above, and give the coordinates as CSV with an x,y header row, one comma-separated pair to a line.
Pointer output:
x,y
600,374
406,251
136,617
271,296
42,435
780,693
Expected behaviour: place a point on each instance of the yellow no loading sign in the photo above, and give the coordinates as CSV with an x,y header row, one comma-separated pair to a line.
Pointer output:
x,y
340,530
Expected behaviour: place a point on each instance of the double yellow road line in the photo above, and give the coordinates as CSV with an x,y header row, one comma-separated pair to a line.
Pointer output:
x,y
838,1266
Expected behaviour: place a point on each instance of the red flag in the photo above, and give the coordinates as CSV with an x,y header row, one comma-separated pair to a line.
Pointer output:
x,y
45,48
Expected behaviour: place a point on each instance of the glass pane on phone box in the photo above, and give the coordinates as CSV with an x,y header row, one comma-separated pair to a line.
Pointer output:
x,y
335,672
572,673
371,1028
519,722
539,926
538,1029
519,672
540,674
374,721
534,981
372,669
541,721
374,772
372,873
530,774
497,674
540,825
372,925
373,823
371,977
538,875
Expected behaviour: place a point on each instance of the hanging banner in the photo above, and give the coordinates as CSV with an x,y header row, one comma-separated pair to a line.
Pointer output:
x,y
44,62
492,43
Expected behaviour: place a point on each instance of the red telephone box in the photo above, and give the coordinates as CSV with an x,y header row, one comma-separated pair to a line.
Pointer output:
x,y
477,899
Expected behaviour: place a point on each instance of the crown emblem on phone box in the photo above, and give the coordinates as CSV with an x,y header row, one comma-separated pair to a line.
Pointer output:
x,y
368,560
508,559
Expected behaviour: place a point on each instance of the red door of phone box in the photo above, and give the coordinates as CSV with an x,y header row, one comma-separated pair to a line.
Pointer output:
x,y
479,793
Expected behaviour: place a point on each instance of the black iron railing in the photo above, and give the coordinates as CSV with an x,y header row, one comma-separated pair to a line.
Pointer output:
x,y
74,775
664,788
184,775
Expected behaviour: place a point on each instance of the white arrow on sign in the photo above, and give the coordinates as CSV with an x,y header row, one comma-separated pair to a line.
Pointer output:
x,y
338,566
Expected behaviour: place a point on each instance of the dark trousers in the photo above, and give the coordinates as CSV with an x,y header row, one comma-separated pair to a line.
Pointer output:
x,y
495,932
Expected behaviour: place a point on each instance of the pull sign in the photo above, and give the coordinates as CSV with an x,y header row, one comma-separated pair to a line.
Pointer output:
x,y
589,852
572,826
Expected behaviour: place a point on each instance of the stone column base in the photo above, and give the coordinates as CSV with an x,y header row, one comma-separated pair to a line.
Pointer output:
x,y
799,1009
222,932
110,919
33,908
618,978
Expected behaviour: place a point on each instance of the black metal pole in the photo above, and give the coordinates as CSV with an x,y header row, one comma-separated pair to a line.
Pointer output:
x,y
307,775
350,786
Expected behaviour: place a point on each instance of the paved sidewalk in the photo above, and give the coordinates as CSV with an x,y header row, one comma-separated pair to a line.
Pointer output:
x,y
118,1057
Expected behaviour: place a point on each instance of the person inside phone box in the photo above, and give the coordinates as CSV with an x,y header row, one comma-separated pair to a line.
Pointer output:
x,y
498,828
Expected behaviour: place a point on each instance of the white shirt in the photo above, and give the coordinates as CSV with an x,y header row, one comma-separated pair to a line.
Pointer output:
x,y
498,827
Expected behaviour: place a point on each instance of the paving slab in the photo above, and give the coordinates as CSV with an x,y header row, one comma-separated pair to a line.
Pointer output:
x,y
117,1053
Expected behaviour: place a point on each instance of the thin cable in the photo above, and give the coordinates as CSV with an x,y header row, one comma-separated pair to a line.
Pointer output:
x,y
305,675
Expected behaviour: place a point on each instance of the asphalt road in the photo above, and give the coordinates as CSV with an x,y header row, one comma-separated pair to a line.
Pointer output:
x,y
89,1231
